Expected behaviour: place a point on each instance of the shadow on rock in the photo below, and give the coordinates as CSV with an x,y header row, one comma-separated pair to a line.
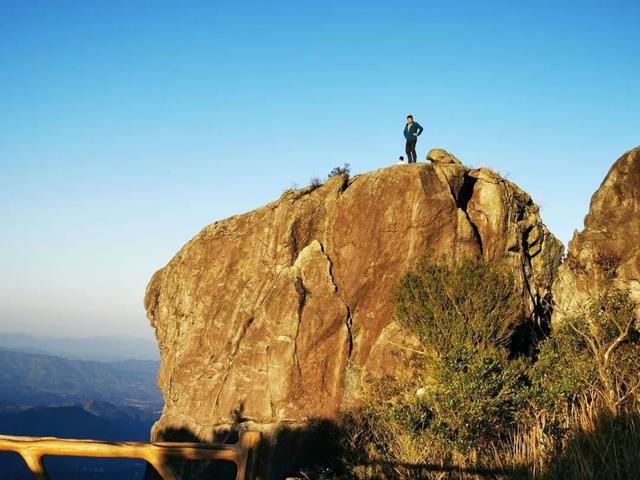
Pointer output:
x,y
285,450
197,469
315,448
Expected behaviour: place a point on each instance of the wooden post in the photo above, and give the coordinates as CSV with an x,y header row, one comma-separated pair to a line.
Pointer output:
x,y
35,464
164,470
248,443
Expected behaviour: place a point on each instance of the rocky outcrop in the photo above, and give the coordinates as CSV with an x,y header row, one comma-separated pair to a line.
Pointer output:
x,y
607,251
276,315
438,155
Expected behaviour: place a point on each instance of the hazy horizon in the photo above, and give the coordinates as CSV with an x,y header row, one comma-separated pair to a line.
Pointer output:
x,y
128,127
9,331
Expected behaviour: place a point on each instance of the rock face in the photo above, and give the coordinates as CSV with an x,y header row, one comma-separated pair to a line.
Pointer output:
x,y
608,249
276,315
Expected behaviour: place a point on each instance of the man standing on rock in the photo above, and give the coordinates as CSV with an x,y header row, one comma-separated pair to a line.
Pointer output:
x,y
411,132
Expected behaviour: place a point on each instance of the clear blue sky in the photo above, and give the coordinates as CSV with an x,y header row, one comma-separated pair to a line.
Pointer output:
x,y
126,126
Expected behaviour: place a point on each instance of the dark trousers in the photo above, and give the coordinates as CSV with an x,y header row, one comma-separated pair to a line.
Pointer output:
x,y
410,150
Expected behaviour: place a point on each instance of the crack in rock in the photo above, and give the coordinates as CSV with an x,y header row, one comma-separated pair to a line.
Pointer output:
x,y
462,195
302,300
462,202
271,403
349,323
349,316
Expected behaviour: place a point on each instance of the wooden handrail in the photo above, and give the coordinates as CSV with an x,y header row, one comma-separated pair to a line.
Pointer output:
x,y
244,453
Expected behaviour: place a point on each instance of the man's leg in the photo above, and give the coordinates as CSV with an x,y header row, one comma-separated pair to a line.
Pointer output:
x,y
412,154
407,150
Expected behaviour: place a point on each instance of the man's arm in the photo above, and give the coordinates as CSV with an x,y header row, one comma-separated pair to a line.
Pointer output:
x,y
419,129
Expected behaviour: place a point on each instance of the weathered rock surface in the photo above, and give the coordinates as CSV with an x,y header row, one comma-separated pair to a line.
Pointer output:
x,y
438,155
607,251
276,315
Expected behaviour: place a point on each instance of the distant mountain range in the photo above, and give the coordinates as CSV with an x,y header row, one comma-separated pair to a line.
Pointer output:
x,y
37,379
56,387
104,349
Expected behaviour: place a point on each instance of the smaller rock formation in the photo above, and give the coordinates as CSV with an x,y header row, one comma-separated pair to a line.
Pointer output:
x,y
607,251
440,156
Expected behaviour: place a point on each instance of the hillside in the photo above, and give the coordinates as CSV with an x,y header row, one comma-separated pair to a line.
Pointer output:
x,y
46,395
37,379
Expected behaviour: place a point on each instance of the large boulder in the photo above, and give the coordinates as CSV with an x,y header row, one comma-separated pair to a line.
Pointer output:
x,y
276,316
607,251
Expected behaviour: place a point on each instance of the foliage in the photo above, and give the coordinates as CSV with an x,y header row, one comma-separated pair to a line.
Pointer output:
x,y
477,396
564,371
607,263
344,171
473,303
389,433
597,347
603,263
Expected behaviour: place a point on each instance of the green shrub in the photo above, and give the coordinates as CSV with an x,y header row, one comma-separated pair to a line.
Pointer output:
x,y
468,393
390,430
344,171
564,371
593,351
473,303
477,396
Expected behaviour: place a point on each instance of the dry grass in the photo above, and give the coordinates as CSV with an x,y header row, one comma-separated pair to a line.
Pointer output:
x,y
595,445
588,443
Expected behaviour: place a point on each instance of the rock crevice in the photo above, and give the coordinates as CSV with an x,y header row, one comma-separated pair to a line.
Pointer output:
x,y
349,316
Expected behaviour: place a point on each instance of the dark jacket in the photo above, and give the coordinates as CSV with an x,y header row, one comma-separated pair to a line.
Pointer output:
x,y
412,132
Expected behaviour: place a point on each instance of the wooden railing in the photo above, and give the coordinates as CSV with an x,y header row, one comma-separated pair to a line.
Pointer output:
x,y
244,453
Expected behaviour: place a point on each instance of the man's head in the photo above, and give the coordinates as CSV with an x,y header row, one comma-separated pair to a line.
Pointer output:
x,y
409,119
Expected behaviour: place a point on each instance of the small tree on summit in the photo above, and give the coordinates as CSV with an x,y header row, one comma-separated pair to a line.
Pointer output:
x,y
344,171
